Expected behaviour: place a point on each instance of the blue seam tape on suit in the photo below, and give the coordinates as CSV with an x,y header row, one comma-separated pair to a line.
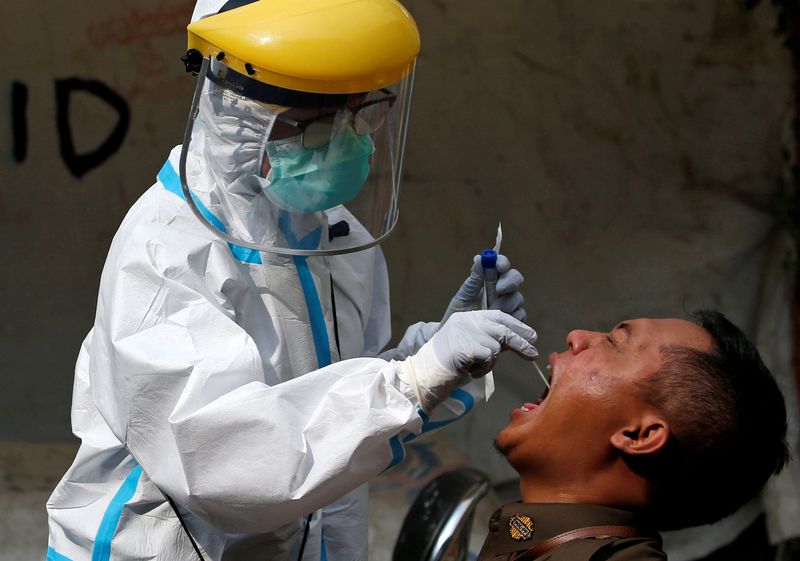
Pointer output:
x,y
172,182
398,451
427,425
319,330
53,555
108,525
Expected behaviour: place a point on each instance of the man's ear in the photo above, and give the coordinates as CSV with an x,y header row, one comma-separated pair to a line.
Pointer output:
x,y
647,435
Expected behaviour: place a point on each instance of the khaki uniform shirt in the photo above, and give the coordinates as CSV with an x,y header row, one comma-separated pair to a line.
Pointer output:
x,y
517,527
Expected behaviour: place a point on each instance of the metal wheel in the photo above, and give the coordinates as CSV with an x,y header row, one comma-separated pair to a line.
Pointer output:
x,y
438,523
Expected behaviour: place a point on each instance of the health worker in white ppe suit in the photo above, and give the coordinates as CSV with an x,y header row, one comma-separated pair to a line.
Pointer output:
x,y
231,398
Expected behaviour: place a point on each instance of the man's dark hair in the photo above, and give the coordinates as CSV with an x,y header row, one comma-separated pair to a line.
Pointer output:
x,y
728,427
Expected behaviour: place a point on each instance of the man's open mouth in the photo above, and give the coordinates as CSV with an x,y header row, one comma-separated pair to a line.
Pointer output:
x,y
548,380
543,396
528,406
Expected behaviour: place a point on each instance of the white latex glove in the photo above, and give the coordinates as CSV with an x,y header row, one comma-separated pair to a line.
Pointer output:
x,y
465,348
470,295
415,336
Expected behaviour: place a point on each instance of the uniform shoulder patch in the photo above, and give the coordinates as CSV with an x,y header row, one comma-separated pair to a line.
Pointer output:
x,y
520,527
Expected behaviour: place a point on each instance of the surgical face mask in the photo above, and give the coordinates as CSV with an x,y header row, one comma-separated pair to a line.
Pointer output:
x,y
309,180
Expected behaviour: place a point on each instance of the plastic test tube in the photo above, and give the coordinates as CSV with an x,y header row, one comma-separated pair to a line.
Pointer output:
x,y
489,264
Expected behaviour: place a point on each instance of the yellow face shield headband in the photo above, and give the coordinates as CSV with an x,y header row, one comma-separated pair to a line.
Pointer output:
x,y
317,46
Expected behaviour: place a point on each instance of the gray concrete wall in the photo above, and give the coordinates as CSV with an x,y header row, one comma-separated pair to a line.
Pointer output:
x,y
608,137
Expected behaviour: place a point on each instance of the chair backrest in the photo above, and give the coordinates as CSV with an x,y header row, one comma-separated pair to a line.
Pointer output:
x,y
440,518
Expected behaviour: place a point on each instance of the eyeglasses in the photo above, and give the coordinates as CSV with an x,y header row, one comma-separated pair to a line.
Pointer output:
x,y
365,119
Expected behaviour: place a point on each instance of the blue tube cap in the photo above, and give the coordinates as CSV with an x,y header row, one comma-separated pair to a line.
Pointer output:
x,y
489,259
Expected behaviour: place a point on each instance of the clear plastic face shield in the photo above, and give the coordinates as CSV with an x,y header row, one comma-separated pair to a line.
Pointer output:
x,y
291,172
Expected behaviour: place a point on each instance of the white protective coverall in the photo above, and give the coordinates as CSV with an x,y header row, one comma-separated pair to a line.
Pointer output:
x,y
198,381
226,393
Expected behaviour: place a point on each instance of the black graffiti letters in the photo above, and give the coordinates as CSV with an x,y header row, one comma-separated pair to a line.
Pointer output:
x,y
19,125
77,164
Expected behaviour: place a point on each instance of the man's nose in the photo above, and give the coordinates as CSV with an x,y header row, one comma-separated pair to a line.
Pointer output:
x,y
579,340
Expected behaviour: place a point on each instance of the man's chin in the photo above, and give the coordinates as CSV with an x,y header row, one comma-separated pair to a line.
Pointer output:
x,y
498,446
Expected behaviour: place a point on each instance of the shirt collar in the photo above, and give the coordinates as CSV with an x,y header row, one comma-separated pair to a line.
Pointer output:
x,y
521,526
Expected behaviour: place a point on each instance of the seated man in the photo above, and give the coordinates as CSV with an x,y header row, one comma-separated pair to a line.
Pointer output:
x,y
659,424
